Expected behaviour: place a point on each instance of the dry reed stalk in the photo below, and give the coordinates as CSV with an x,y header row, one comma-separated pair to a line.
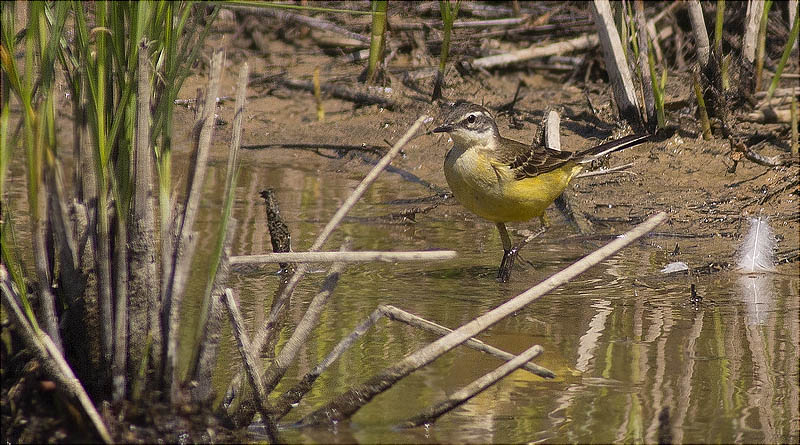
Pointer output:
x,y
779,92
793,10
507,22
43,267
72,280
793,123
647,84
144,304
567,46
249,360
755,9
761,46
345,257
205,355
120,355
360,95
700,32
459,397
48,353
616,65
304,327
770,115
552,131
201,369
182,254
237,412
311,22
346,404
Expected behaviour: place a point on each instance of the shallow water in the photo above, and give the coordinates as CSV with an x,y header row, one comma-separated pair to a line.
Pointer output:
x,y
625,341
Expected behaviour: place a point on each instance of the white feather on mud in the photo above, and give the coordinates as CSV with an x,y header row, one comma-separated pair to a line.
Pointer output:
x,y
757,252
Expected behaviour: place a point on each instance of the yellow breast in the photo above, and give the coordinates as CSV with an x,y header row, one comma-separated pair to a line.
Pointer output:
x,y
491,191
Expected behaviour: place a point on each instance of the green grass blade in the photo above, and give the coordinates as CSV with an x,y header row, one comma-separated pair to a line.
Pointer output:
x,y
787,50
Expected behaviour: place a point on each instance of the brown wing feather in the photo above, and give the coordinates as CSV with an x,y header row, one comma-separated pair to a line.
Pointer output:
x,y
528,161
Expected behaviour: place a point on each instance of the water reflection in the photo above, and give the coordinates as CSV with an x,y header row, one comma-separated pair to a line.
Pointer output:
x,y
624,350
756,292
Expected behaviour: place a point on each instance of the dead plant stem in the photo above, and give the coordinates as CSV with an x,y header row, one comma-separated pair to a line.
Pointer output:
x,y
347,257
182,255
347,403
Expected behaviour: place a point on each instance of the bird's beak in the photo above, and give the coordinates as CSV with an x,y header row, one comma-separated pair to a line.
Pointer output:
x,y
443,129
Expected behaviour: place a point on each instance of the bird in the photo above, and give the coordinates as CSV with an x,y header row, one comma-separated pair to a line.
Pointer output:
x,y
503,180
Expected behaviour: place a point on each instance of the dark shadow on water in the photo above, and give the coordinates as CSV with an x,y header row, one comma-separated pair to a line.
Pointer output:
x,y
360,151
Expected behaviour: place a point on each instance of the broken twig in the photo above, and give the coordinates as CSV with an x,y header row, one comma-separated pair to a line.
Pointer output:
x,y
578,43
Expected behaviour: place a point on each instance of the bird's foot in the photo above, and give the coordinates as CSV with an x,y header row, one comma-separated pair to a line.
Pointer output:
x,y
506,264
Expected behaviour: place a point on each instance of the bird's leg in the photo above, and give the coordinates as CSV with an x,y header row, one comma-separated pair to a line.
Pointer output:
x,y
545,222
509,254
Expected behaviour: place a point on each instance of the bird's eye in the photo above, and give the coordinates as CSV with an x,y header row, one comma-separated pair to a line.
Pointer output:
x,y
471,119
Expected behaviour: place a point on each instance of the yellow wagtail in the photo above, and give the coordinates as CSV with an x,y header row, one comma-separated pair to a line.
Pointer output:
x,y
504,180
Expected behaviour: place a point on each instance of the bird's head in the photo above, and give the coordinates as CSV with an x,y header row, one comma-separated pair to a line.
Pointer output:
x,y
469,125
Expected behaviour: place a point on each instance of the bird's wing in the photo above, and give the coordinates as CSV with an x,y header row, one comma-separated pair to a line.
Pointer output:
x,y
527,161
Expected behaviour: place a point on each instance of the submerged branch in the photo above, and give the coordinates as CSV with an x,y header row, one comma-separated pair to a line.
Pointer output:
x,y
394,313
296,393
473,389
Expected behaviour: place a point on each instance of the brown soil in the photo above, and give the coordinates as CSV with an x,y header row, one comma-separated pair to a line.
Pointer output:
x,y
692,179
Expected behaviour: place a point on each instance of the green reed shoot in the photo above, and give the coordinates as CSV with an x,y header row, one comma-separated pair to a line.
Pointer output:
x,y
378,35
701,104
99,64
449,12
658,85
718,28
787,50
34,90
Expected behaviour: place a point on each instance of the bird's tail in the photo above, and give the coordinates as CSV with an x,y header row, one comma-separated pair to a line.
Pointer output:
x,y
601,150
